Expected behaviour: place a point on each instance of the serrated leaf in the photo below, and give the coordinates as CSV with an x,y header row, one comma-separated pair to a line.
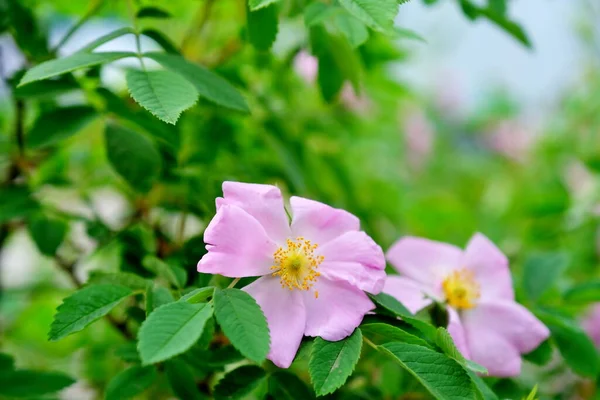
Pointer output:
x,y
484,389
47,232
239,383
442,376
445,342
130,382
71,63
198,295
172,329
84,307
377,14
317,12
384,333
574,344
106,38
354,30
59,124
390,304
332,363
182,380
164,93
156,297
286,386
263,25
132,281
25,383
153,12
210,85
257,4
133,156
541,270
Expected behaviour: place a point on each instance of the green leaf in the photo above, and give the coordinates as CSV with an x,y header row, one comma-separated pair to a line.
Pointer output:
x,y
171,273
484,389
540,356
257,4
531,395
243,322
47,232
7,362
133,156
162,40
317,13
156,297
263,25
390,304
153,12
239,383
84,307
172,329
354,30
208,84
164,93
377,14
25,383
445,342
384,333
574,344
76,61
48,89
128,352
443,377
332,363
17,202
182,380
106,38
59,124
130,382
541,270
132,281
408,34
198,295
286,386
583,293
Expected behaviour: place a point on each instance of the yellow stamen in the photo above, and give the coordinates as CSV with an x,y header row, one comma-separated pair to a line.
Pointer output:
x,y
461,289
297,264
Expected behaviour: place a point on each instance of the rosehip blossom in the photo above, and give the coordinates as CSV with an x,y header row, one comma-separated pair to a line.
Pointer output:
x,y
486,323
312,272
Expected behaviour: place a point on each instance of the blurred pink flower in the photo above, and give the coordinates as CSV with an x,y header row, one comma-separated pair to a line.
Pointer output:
x,y
418,136
591,323
486,323
511,139
313,272
356,102
306,65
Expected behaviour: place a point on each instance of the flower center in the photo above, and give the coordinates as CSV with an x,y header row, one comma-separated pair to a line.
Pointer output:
x,y
297,264
461,289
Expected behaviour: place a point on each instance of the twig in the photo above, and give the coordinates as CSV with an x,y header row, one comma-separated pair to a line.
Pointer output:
x,y
233,283
19,126
197,26
91,12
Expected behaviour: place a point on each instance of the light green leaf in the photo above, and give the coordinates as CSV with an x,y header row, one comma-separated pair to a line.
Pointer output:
x,y
132,281
86,306
207,83
243,322
130,382
198,295
354,30
541,270
317,13
76,61
574,344
286,386
172,329
384,333
377,14
443,377
25,383
47,232
133,156
263,25
445,342
59,124
164,93
257,4
181,379
533,393
239,383
153,12
332,363
106,38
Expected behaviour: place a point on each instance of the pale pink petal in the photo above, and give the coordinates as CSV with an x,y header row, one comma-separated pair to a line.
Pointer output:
x,y
336,312
263,202
408,292
286,316
319,222
490,266
457,331
355,258
516,324
591,323
237,245
491,350
423,260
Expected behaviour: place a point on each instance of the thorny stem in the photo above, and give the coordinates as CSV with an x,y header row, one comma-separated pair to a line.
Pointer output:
x,y
91,12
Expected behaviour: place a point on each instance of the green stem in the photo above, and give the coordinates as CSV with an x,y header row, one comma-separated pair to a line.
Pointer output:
x,y
91,12
138,43
373,345
233,283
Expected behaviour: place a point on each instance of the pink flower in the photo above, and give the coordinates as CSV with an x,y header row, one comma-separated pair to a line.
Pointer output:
x,y
486,323
591,323
312,272
307,66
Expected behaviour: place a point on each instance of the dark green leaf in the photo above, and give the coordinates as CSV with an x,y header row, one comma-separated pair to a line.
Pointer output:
x,y
153,12
130,383
198,295
47,89
25,383
162,40
540,356
169,272
7,363
243,322
286,386
128,352
583,293
86,306
182,380
484,389
238,383
59,124
17,202
47,232
156,297
391,305
383,333
263,25
332,363
132,281
541,270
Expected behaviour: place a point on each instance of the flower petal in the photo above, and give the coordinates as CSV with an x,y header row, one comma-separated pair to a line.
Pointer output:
x,y
457,331
424,260
408,292
355,258
237,245
286,316
319,222
591,323
263,202
516,324
490,266
337,311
